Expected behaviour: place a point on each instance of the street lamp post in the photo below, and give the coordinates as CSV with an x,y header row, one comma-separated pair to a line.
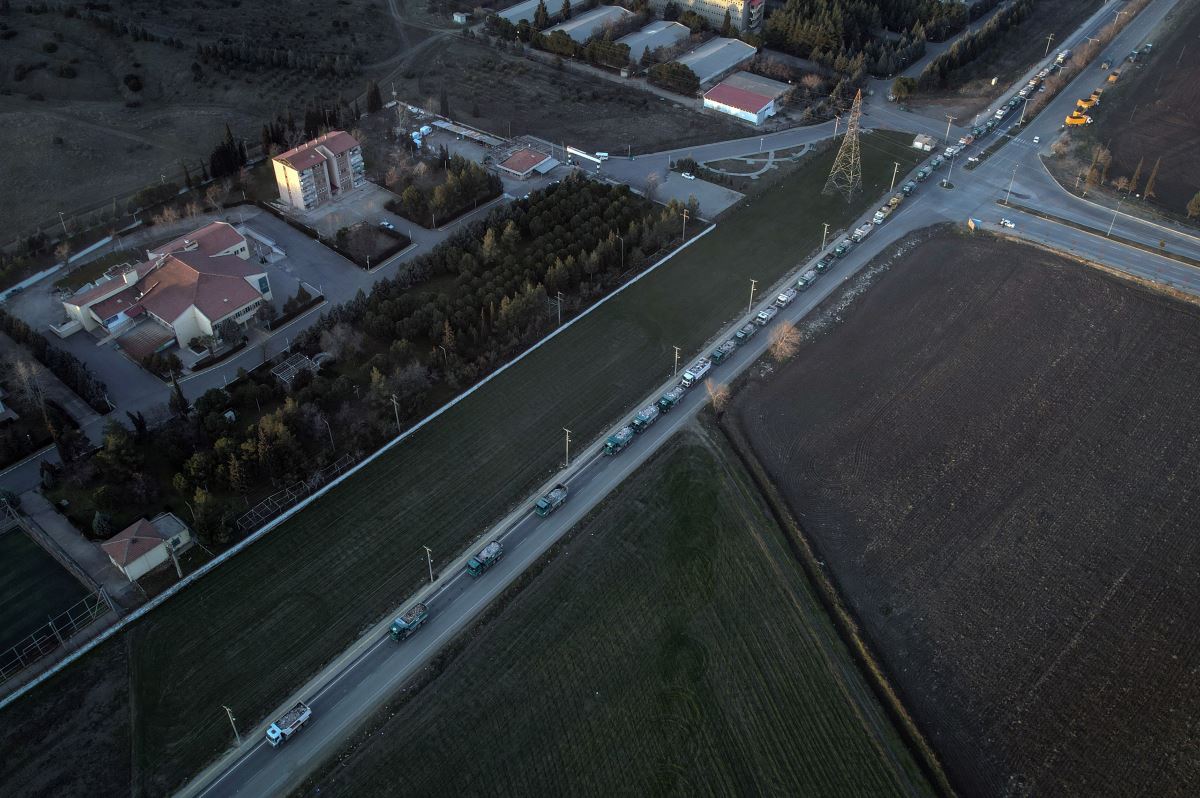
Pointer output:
x,y
568,452
675,371
445,357
949,120
1010,184
330,430
622,240
63,219
824,235
753,284
685,218
396,407
429,561
1114,219
895,171
236,736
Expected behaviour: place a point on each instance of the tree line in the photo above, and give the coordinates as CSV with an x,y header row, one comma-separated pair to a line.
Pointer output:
x,y
948,69
69,369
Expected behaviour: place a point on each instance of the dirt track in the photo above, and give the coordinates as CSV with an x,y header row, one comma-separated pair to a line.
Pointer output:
x,y
996,454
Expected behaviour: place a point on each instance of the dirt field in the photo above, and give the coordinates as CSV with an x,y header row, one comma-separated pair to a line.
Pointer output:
x,y
33,587
235,626
1008,59
996,453
731,680
1151,113
494,91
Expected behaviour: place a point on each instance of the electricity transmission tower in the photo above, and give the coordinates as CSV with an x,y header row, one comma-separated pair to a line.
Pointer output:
x,y
846,176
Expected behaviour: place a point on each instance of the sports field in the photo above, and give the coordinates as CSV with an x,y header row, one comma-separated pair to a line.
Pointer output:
x,y
33,588
247,635
673,647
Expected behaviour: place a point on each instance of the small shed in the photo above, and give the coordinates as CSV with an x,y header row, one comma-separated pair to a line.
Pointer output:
x,y
144,545
924,143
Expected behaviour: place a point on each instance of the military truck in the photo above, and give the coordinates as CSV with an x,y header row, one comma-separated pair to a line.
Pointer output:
x,y
696,372
908,188
409,621
826,261
551,501
618,440
673,397
644,418
723,351
923,174
486,558
806,279
745,333
288,724
842,248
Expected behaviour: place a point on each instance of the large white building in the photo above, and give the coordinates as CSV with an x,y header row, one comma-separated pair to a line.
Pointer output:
x,y
317,171
745,15
655,35
585,26
747,96
187,288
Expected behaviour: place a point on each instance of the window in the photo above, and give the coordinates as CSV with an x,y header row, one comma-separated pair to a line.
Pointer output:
x,y
263,285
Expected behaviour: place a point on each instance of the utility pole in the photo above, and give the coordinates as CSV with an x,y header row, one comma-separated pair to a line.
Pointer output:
x,y
1024,105
750,307
824,235
949,120
330,430
1114,219
675,371
396,407
429,561
685,218
63,219
1049,39
1010,182
895,171
622,240
568,463
559,308
836,119
236,736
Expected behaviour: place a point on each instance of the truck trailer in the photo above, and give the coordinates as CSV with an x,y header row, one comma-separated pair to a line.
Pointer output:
x,y
723,351
786,298
861,233
618,441
551,501
409,621
673,397
696,372
745,333
486,558
288,724
644,418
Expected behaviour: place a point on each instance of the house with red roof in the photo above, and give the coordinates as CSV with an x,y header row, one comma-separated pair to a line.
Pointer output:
x,y
746,96
144,545
188,287
319,171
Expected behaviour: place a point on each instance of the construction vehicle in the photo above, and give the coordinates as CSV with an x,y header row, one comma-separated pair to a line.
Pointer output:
x,y
1076,119
288,724
1085,104
765,315
786,298
861,233
908,188
745,333
551,501
644,418
409,621
895,200
1062,57
618,440
723,351
674,396
805,280
1114,76
486,558
696,372
842,248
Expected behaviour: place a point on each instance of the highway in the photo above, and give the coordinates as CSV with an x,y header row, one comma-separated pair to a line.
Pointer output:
x,y
363,679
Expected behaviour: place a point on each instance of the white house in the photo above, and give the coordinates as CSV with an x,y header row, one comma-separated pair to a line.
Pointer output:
x,y
145,545
189,286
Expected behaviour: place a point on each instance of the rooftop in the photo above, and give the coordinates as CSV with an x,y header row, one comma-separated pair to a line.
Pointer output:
x,y
585,26
757,84
655,35
522,161
734,97
525,9
309,153
716,57
132,542
208,240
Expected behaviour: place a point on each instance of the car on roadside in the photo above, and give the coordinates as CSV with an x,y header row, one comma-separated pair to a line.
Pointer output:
x,y
1006,223
1037,139
972,159
688,176
386,225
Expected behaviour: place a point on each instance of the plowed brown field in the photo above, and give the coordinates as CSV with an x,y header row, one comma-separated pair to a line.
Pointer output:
x,y
997,455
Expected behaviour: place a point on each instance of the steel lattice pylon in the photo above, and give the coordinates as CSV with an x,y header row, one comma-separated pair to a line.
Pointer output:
x,y
846,176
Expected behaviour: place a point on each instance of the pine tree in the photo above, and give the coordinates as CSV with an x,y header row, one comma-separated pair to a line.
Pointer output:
x,y
541,17
266,141
102,525
1137,175
374,98
178,402
187,176
444,103
565,11
727,25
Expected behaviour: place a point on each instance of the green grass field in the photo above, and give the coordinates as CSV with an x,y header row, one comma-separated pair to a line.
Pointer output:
x,y
675,647
250,633
33,588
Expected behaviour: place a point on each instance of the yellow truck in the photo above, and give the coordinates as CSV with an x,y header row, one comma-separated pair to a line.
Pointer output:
x,y
1076,119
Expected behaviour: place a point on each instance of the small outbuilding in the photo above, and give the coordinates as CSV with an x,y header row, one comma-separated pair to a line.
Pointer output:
x,y
460,17
525,162
923,143
144,545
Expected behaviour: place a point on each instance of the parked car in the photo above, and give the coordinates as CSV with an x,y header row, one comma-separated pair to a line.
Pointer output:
x,y
1006,223
688,176
1037,139
386,225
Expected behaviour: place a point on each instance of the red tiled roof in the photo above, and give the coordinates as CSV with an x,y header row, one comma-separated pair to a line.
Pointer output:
x,y
742,99
522,161
107,288
208,240
132,542
215,285
122,300
308,154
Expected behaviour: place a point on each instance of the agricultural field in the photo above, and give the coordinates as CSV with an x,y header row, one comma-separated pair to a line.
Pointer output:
x,y
1149,117
673,647
98,111
356,553
33,587
995,451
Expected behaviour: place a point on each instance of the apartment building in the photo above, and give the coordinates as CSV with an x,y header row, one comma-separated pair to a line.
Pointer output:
x,y
318,171
746,15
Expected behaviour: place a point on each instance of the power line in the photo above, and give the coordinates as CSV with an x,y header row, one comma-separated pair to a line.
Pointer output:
x,y
846,176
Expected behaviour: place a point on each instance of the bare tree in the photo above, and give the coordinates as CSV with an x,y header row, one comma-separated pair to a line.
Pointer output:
x,y
215,195
168,215
718,394
341,340
785,340
63,252
652,181
192,209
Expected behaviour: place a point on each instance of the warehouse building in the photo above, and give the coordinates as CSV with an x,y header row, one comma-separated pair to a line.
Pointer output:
x,y
655,35
585,26
524,10
716,57
746,96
